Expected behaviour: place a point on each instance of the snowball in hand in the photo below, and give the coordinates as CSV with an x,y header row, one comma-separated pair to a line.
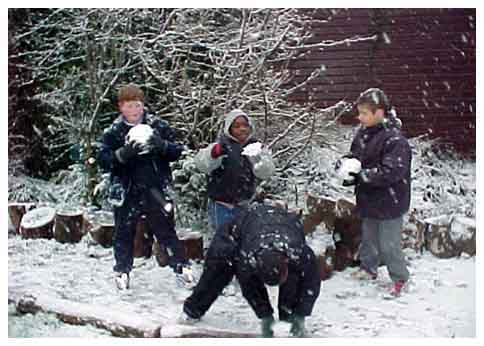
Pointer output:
x,y
253,149
140,133
348,166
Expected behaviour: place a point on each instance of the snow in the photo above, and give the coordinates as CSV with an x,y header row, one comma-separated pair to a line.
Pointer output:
x,y
348,166
439,302
252,149
140,133
38,217
462,228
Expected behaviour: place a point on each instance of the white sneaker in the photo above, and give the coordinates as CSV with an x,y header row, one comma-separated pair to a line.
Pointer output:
x,y
186,278
187,320
122,281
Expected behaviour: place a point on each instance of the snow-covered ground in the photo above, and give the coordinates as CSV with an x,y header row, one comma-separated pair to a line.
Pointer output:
x,y
439,302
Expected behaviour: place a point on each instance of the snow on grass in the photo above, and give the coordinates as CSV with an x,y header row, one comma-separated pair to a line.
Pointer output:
x,y
439,302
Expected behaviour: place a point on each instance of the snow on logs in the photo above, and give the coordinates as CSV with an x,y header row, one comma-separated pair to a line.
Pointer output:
x,y
449,236
38,223
444,236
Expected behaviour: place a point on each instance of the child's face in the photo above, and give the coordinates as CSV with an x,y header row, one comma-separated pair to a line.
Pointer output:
x,y
240,129
367,117
131,110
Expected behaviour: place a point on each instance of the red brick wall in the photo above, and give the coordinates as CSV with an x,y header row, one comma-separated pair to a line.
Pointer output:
x,y
424,59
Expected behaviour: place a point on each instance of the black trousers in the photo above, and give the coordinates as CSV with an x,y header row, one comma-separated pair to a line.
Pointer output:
x,y
159,223
218,273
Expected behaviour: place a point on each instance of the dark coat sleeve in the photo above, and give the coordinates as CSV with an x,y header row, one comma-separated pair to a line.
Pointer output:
x,y
173,150
110,143
394,164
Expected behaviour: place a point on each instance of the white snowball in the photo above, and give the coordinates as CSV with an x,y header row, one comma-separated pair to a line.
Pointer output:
x,y
140,133
348,166
252,149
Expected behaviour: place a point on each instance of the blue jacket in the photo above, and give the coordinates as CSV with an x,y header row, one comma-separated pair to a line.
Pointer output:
x,y
144,171
384,184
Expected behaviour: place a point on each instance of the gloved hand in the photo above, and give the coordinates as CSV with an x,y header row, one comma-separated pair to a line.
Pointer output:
x,y
217,151
128,151
353,181
158,144
297,326
266,327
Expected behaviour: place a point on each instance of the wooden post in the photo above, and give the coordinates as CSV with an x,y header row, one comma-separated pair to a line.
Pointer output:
x,y
38,223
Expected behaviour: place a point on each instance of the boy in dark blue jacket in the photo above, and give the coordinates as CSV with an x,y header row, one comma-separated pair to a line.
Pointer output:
x,y
261,245
382,187
140,181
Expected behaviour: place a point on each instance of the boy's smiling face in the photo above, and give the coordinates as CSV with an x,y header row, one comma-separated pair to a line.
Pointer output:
x,y
240,129
131,110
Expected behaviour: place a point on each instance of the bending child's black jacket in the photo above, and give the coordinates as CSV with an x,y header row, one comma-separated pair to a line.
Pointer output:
x,y
144,171
383,187
232,252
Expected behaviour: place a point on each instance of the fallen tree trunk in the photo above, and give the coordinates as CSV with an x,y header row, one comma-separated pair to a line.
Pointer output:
x,y
127,324
119,324
181,331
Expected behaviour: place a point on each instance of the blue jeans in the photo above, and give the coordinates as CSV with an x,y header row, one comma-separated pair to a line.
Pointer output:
x,y
219,214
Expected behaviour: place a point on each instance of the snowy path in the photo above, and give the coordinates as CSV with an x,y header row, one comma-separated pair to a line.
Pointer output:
x,y
439,302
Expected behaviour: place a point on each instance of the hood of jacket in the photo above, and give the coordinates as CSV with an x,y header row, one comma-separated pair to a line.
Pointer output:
x,y
230,118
